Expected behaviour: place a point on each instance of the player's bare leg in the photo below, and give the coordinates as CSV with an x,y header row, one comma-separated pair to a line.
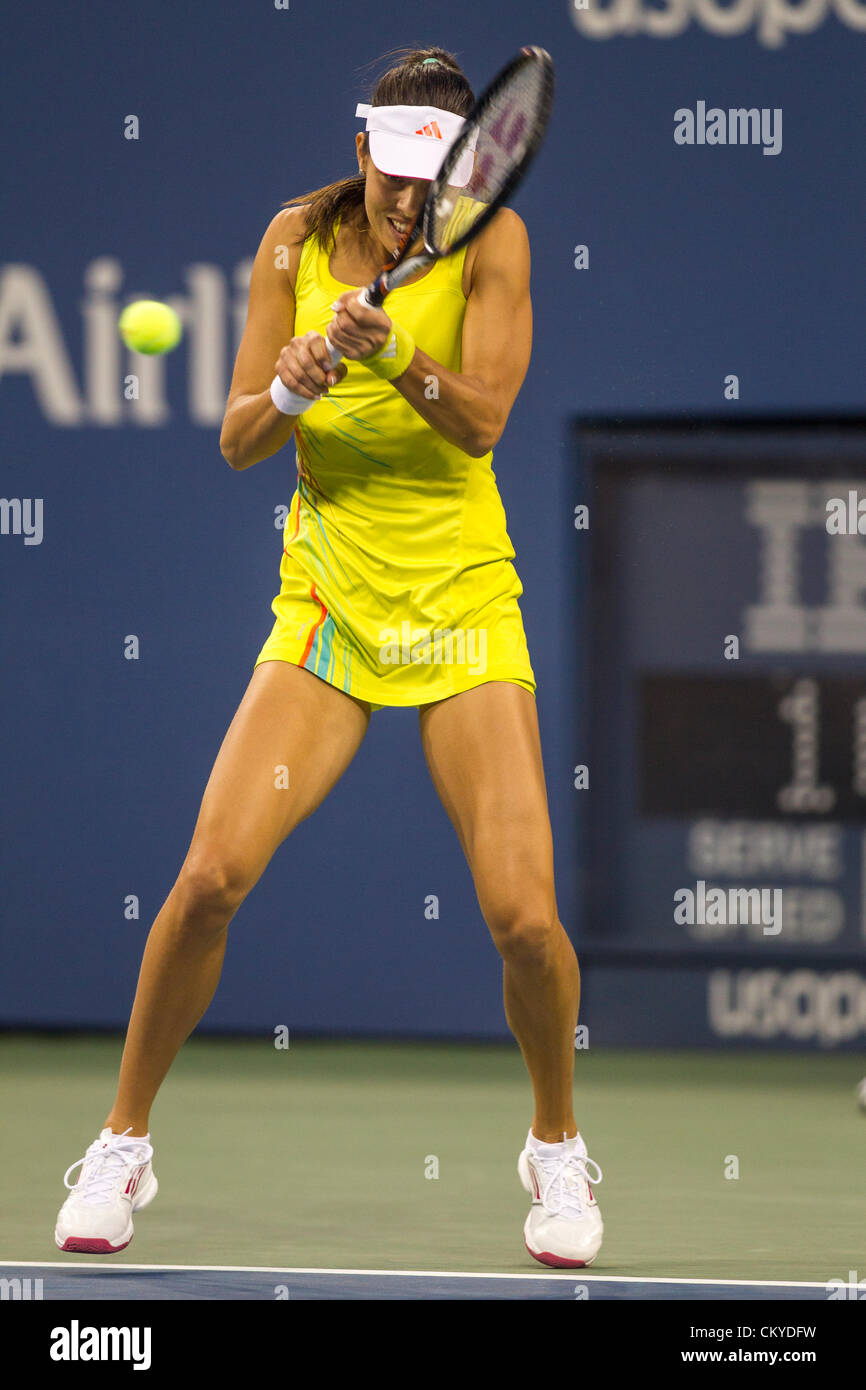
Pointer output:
x,y
484,755
288,722
287,718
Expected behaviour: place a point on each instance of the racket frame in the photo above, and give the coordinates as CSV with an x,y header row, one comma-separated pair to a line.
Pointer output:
x,y
396,271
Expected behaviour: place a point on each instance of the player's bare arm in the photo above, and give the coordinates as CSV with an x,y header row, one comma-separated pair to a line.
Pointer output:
x,y
253,429
469,408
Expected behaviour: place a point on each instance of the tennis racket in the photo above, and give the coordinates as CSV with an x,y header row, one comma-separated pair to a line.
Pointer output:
x,y
504,130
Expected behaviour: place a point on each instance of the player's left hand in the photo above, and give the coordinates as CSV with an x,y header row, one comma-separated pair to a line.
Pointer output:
x,y
357,330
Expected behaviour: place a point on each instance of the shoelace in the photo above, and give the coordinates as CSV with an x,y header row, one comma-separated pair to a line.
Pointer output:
x,y
560,1190
105,1164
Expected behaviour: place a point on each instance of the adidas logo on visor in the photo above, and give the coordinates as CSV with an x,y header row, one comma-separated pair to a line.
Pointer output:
x,y
431,129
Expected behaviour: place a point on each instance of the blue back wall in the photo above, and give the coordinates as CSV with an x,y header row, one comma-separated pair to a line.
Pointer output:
x,y
703,261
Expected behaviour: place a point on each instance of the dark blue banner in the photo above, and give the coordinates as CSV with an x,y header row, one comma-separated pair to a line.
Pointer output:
x,y
146,149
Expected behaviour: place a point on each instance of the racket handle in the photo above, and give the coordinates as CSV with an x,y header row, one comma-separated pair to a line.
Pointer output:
x,y
334,354
363,299
287,401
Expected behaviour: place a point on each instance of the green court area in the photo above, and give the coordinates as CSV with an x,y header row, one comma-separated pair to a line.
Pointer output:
x,y
318,1155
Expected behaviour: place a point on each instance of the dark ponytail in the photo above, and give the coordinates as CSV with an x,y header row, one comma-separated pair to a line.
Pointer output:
x,y
416,80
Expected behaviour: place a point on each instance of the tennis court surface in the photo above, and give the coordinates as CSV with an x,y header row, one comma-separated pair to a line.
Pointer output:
x,y
367,1170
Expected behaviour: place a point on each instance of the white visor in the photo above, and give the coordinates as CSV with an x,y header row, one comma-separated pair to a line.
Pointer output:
x,y
412,141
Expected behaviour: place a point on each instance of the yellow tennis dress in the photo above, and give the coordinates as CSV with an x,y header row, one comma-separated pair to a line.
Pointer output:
x,y
396,579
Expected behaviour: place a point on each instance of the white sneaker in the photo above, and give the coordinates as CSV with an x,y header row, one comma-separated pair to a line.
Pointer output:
x,y
116,1179
564,1225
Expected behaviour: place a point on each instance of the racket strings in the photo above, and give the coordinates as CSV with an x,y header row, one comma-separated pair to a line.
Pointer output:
x,y
501,137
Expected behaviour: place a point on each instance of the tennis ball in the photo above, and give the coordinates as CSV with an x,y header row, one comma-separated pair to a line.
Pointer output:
x,y
149,326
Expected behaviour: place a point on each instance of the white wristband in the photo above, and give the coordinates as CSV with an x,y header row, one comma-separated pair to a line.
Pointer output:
x,y
286,401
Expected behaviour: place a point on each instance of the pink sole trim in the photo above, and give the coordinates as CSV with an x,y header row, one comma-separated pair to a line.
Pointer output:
x,y
545,1257
86,1245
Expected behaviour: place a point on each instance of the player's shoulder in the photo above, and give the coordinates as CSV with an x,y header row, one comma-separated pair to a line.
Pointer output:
x,y
504,234
509,223
281,245
291,222
503,242
296,218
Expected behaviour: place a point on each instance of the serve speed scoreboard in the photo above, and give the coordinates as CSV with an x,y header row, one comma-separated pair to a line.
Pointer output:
x,y
720,778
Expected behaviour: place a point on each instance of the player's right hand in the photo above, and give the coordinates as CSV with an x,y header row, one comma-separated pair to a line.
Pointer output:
x,y
304,368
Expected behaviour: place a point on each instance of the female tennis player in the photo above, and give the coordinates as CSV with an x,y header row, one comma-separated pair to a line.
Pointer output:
x,y
397,588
